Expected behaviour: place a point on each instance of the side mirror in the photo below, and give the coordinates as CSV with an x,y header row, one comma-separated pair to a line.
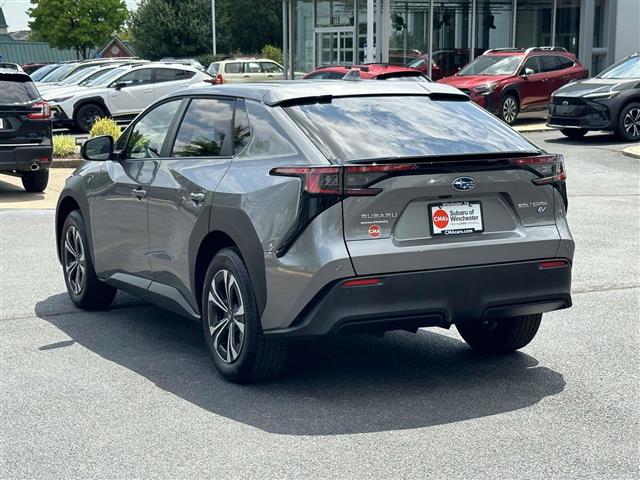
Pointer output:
x,y
97,149
528,71
119,85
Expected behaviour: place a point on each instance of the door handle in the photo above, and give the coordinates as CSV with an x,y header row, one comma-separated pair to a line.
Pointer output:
x,y
247,76
139,193
147,91
197,197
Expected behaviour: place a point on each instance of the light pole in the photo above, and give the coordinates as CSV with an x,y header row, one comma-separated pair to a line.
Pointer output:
x,y
213,25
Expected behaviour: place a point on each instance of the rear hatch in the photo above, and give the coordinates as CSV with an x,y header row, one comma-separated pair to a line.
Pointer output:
x,y
24,117
432,183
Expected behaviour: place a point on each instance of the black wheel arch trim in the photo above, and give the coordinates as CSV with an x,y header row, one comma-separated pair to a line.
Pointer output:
x,y
85,101
511,89
237,225
71,193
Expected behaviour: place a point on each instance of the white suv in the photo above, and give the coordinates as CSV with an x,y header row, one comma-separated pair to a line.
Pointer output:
x,y
246,70
121,93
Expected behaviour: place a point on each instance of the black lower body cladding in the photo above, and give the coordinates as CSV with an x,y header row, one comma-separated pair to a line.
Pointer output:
x,y
436,298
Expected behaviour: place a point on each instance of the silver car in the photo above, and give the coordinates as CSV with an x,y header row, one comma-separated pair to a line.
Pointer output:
x,y
281,211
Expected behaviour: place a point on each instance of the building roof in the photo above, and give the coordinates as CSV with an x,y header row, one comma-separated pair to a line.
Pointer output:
x,y
117,48
23,52
274,93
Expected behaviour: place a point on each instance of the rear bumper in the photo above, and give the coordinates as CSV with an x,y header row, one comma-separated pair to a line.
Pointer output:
x,y
20,158
434,298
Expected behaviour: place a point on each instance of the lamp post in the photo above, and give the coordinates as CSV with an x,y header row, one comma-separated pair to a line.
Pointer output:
x,y
213,25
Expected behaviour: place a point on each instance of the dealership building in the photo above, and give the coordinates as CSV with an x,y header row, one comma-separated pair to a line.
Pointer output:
x,y
329,32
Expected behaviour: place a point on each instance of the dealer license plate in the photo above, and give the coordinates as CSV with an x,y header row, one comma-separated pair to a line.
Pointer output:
x,y
456,218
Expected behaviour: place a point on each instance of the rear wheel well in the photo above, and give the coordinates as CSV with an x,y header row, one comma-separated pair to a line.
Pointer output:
x,y
67,205
210,245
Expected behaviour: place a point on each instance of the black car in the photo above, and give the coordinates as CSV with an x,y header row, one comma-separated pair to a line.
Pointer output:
x,y
609,101
25,131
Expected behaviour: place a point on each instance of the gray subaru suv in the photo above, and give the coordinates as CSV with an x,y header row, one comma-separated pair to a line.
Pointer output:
x,y
294,210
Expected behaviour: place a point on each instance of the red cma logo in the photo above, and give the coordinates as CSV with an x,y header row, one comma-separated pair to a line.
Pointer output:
x,y
374,231
440,218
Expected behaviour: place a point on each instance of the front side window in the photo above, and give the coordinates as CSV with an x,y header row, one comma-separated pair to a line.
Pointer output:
x,y
204,128
533,64
137,77
269,67
391,127
492,65
147,136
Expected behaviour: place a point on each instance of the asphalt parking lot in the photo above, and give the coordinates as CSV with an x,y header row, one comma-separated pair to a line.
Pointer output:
x,y
131,392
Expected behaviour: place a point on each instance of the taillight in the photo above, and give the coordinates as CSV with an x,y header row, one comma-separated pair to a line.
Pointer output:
x,y
550,168
553,264
43,113
219,80
347,181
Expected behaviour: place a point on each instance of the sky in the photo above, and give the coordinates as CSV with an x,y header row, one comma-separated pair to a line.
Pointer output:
x,y
15,11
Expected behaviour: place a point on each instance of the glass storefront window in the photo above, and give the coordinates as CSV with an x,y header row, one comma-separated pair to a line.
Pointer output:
x,y
334,13
451,35
568,24
533,23
494,20
303,36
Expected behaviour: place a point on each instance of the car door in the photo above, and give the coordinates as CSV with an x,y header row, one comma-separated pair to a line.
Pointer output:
x,y
253,73
118,196
533,86
233,72
181,193
272,71
553,70
131,93
167,80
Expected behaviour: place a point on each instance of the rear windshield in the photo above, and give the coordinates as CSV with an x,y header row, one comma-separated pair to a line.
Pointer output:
x,y
213,69
17,89
388,127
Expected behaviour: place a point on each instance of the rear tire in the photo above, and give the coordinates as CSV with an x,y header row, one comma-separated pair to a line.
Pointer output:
x,y
35,182
87,114
573,133
231,323
509,108
85,289
629,123
504,336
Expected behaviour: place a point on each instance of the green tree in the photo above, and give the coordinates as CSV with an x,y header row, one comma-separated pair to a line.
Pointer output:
x,y
172,28
81,25
248,25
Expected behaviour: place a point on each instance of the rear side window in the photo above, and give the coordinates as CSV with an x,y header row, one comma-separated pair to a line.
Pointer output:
x,y
549,63
241,128
204,128
565,62
17,89
252,67
235,67
172,75
358,128
269,67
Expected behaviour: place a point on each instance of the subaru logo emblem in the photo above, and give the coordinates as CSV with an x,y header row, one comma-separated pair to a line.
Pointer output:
x,y
463,183
564,102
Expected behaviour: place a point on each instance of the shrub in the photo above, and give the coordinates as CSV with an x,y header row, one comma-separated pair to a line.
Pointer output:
x,y
63,146
272,53
105,126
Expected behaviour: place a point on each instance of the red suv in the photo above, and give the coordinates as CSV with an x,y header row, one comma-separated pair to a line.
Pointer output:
x,y
506,81
370,71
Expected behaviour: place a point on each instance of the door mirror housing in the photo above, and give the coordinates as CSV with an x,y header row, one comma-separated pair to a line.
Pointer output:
x,y
527,72
120,85
97,149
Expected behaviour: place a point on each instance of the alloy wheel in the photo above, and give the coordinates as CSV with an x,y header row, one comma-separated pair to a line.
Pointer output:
x,y
75,263
509,110
226,316
632,122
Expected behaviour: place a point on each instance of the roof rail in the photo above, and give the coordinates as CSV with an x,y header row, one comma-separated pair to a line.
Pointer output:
x,y
504,50
546,49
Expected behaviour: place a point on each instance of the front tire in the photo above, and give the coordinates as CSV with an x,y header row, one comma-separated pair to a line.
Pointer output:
x,y
231,323
629,123
85,289
503,336
87,115
509,108
573,133
35,182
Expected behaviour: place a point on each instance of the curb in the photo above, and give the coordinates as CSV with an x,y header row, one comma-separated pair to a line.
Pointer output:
x,y
66,163
534,129
632,152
